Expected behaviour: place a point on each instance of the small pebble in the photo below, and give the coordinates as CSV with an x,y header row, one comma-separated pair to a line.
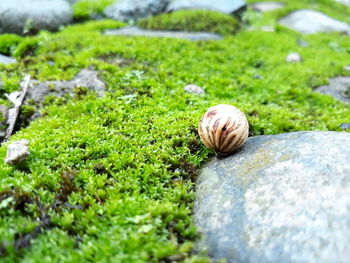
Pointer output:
x,y
17,152
194,89
293,58
347,67
302,43
345,126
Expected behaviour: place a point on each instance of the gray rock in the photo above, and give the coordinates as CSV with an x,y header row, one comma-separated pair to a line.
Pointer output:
x,y
194,89
7,60
293,58
345,126
345,2
224,6
281,198
347,68
135,31
266,6
85,79
310,22
126,10
72,2
20,16
338,88
302,43
17,152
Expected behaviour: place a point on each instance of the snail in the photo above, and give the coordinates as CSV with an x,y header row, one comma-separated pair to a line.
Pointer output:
x,y
223,128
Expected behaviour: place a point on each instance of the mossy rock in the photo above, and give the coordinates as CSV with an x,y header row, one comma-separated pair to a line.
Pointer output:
x,y
85,9
192,20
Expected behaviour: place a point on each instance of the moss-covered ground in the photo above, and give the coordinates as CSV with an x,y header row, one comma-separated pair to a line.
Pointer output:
x,y
112,179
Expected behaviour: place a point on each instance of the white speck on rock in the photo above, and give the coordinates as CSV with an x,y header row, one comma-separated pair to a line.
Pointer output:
x,y
293,58
17,152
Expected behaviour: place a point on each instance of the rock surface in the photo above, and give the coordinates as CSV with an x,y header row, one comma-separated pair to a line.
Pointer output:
x,y
85,79
310,22
6,60
266,6
293,58
194,89
33,15
224,6
338,88
135,31
17,152
345,2
281,198
126,10
345,126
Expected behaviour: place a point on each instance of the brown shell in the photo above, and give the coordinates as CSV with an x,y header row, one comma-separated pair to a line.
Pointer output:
x,y
223,128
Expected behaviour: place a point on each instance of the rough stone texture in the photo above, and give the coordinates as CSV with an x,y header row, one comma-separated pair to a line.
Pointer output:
x,y
17,152
310,22
126,10
224,6
345,126
6,60
135,31
266,6
281,198
85,79
338,88
194,89
18,15
293,58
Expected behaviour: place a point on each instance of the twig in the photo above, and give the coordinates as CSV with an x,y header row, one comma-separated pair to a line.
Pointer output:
x,y
17,99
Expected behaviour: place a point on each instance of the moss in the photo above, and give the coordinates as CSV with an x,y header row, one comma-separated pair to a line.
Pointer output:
x,y
85,9
115,175
192,20
26,48
8,43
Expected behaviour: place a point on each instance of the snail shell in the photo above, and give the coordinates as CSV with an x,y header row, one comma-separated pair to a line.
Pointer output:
x,y
223,128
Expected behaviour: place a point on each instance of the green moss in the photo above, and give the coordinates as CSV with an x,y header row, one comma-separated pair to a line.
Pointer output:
x,y
8,43
84,9
192,20
115,175
27,47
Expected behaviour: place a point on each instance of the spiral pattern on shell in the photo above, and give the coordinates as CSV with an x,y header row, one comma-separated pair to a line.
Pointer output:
x,y
223,128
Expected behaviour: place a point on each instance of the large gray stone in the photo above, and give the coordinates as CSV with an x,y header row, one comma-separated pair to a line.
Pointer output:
x,y
7,60
224,6
126,10
280,199
338,88
135,31
310,22
18,16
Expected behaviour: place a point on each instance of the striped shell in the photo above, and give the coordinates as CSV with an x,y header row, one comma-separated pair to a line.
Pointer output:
x,y
223,128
